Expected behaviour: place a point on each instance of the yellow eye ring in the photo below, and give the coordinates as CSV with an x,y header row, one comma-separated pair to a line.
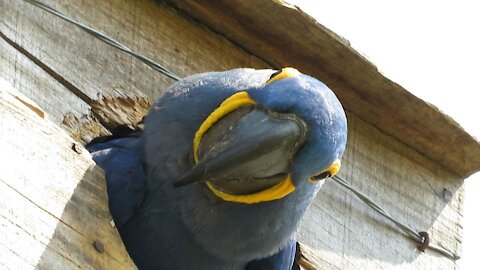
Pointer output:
x,y
329,172
287,72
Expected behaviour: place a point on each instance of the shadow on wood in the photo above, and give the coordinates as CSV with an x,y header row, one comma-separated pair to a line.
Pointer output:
x,y
83,237
53,204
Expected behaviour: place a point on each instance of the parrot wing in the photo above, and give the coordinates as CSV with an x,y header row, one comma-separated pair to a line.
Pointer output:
x,y
124,174
283,260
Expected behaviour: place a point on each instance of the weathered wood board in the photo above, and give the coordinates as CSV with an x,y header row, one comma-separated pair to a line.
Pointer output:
x,y
98,74
87,87
53,204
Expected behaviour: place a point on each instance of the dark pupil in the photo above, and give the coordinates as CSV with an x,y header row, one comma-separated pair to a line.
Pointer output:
x,y
321,176
275,74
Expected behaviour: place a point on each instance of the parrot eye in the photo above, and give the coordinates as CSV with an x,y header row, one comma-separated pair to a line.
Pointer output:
x,y
331,171
274,74
321,176
284,73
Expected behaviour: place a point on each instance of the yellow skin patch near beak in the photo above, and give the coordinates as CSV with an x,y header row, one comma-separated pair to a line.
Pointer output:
x,y
232,103
332,171
276,192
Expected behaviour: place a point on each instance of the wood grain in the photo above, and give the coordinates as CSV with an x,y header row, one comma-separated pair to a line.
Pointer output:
x,y
85,88
53,204
98,70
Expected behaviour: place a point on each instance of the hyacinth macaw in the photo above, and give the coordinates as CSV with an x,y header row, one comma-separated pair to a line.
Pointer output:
x,y
224,169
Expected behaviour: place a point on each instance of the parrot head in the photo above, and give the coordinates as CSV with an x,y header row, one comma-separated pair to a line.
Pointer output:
x,y
262,144
241,154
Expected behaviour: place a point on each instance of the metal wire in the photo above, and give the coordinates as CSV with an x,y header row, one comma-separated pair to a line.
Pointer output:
x,y
407,229
411,233
110,41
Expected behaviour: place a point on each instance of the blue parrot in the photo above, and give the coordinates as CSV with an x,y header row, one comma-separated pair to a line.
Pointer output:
x,y
224,169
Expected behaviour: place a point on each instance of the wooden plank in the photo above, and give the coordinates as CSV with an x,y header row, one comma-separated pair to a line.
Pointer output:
x,y
100,74
53,204
284,35
341,232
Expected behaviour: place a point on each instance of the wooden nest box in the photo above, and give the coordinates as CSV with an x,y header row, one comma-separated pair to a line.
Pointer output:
x,y
60,87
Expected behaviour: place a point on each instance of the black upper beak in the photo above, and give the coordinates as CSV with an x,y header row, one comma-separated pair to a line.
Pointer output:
x,y
246,151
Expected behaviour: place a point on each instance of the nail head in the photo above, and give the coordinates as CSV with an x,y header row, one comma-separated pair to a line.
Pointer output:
x,y
99,246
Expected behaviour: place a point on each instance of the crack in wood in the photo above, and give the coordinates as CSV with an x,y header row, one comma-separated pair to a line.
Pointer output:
x,y
107,112
16,254
47,69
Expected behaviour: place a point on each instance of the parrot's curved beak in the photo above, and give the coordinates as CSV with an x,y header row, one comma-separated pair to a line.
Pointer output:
x,y
247,151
